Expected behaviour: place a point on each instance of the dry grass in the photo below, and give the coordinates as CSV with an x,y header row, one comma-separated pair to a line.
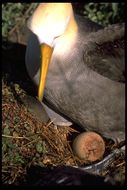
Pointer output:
x,y
26,141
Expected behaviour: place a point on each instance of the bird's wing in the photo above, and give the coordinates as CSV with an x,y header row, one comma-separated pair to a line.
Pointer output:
x,y
104,52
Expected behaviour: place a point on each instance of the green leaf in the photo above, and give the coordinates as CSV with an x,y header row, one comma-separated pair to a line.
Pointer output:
x,y
6,130
40,147
115,8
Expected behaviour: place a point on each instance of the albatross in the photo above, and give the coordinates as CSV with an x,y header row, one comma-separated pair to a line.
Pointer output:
x,y
78,67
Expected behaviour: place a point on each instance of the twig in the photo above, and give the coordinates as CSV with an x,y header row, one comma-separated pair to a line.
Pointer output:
x,y
19,22
72,153
30,142
5,104
29,9
6,171
49,141
8,136
120,164
9,167
18,173
50,123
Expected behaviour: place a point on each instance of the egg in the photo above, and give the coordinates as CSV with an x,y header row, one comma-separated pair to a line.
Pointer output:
x,y
89,146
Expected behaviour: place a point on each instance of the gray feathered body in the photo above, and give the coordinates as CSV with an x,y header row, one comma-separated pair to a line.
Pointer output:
x,y
84,84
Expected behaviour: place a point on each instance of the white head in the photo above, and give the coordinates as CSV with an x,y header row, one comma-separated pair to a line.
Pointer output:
x,y
50,20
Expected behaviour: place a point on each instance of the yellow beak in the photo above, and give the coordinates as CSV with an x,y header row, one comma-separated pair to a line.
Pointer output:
x,y
46,53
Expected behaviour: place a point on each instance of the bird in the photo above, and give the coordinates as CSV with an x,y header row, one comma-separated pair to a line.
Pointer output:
x,y
64,175
78,68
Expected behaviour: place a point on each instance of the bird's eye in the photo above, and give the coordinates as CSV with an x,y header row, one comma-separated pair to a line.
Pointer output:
x,y
57,37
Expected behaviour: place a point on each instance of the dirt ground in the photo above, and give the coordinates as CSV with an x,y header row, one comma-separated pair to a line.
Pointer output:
x,y
25,140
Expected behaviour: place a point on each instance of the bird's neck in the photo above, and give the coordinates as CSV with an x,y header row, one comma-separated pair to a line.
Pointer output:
x,y
66,41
